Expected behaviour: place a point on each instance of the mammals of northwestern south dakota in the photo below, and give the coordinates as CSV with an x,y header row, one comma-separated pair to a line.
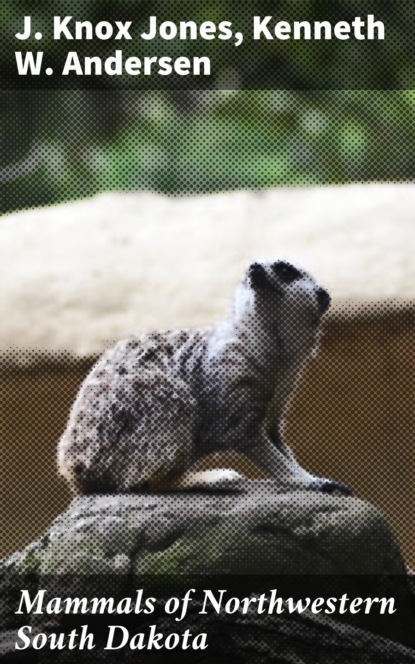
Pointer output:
x,y
155,404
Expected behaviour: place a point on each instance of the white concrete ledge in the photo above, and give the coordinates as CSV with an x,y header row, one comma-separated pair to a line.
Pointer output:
x,y
76,276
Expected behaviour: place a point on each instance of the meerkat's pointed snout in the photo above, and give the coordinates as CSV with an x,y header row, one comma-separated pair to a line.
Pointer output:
x,y
257,276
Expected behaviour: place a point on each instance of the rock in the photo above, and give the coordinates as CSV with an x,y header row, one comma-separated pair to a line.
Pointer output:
x,y
248,543
177,533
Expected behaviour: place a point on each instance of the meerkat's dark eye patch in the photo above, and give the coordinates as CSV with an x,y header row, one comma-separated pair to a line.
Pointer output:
x,y
286,272
258,277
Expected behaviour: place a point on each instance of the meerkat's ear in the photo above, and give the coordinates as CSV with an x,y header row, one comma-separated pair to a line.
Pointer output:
x,y
257,276
323,299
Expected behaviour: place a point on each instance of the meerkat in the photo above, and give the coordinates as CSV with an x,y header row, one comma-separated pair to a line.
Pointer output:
x,y
154,405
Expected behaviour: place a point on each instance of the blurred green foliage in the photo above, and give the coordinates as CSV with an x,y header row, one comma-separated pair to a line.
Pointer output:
x,y
60,145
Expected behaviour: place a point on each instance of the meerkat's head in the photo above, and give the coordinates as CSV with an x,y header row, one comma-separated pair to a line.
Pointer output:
x,y
283,302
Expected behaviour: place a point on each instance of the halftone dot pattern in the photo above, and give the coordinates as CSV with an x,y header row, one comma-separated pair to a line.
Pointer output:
x,y
61,145
351,419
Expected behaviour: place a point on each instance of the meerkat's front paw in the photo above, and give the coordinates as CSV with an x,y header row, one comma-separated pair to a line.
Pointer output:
x,y
330,486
